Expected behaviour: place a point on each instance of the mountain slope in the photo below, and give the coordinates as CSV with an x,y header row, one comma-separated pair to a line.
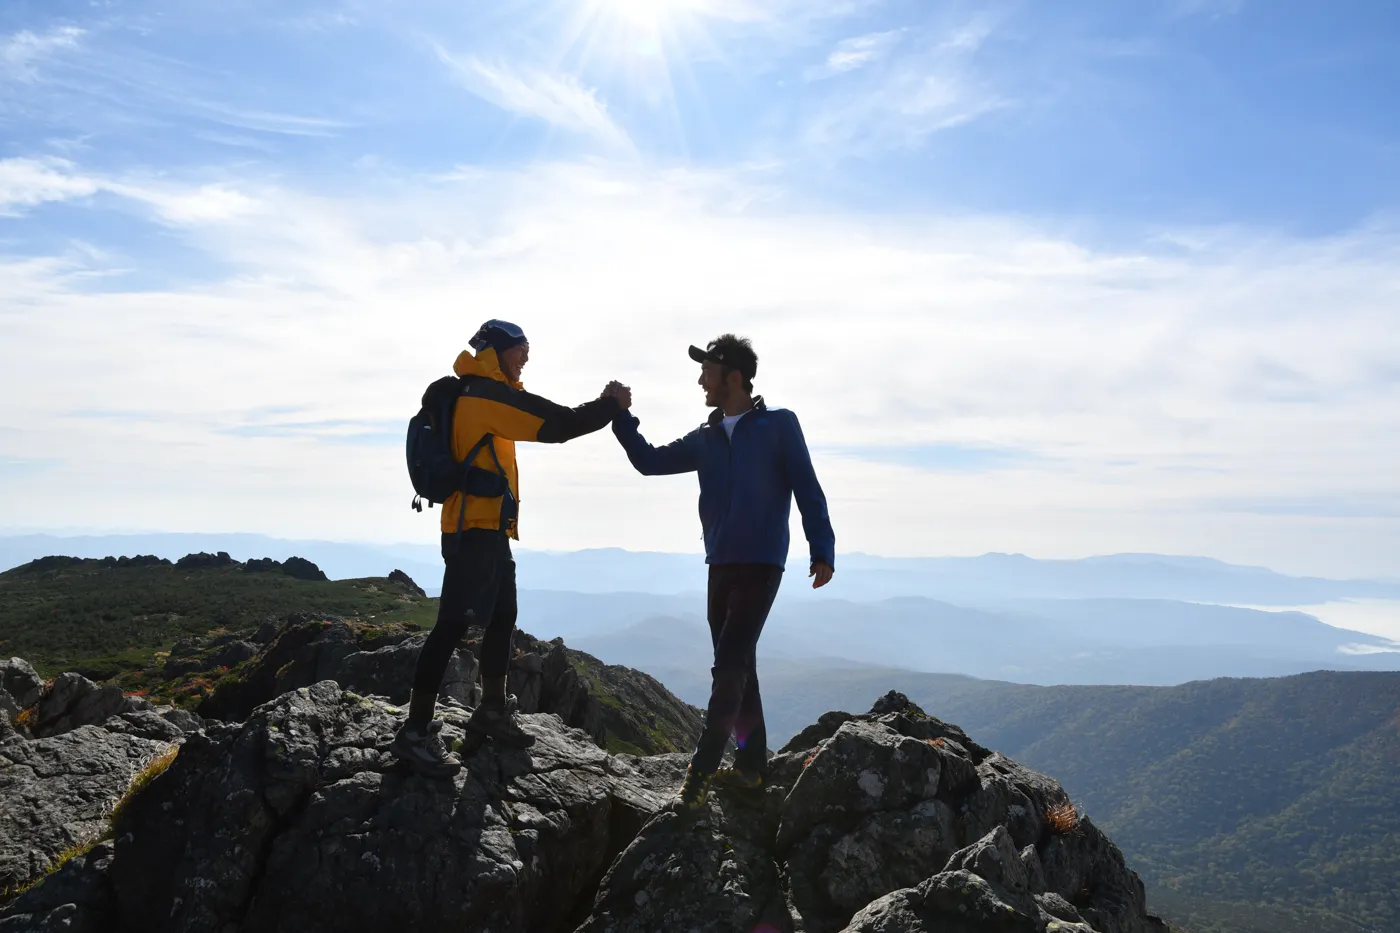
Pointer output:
x,y
1227,794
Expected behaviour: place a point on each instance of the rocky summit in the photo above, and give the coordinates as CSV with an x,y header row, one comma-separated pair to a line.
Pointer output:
x,y
298,819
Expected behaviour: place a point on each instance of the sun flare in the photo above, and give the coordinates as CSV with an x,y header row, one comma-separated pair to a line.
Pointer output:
x,y
656,16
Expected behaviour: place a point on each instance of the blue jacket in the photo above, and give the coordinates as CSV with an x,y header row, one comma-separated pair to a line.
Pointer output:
x,y
746,487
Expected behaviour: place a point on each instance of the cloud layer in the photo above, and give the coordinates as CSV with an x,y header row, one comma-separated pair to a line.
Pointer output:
x,y
975,383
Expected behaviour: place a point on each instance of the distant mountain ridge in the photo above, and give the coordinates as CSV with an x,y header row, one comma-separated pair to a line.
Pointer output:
x,y
989,579
1045,642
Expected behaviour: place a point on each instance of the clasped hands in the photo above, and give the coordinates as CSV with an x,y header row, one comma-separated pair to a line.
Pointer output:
x,y
617,390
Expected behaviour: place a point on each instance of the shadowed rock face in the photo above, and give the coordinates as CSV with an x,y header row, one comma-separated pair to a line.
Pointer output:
x,y
298,820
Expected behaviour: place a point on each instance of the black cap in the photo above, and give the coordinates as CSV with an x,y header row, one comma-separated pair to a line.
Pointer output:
x,y
731,352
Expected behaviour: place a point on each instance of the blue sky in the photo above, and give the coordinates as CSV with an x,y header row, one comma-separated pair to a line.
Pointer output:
x,y
1062,278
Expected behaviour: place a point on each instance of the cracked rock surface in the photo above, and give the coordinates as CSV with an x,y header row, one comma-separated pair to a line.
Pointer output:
x,y
299,820
56,793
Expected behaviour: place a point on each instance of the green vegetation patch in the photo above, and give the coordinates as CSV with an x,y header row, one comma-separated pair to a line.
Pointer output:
x,y
105,619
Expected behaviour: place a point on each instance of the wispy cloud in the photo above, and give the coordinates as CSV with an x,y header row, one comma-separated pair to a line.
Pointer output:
x,y
856,52
911,104
26,182
286,124
559,100
22,52
929,88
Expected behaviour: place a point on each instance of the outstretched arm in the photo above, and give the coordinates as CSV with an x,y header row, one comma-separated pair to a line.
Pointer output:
x,y
811,501
679,456
517,415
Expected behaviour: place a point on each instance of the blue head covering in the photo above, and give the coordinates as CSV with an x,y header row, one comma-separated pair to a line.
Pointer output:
x,y
498,335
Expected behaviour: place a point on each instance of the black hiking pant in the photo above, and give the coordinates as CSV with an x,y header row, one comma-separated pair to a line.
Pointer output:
x,y
739,600
478,588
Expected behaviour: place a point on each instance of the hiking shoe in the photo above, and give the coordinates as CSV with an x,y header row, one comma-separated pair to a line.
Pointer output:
x,y
424,751
739,779
497,720
693,793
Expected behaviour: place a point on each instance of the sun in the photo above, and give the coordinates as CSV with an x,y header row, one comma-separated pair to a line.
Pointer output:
x,y
641,13
655,16
643,47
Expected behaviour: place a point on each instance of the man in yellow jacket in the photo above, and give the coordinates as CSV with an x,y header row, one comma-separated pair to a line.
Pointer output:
x,y
492,412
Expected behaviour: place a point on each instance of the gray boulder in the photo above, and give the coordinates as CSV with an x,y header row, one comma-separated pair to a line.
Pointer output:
x,y
232,654
308,652
984,888
56,794
864,768
21,682
388,672
146,723
672,878
75,701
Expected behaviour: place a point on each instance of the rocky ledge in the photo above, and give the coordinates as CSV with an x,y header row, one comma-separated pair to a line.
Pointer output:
x,y
298,820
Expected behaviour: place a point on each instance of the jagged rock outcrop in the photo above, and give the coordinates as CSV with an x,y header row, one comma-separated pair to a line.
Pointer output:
x,y
624,710
298,819
298,568
403,579
621,709
20,689
73,700
307,652
204,560
890,822
20,684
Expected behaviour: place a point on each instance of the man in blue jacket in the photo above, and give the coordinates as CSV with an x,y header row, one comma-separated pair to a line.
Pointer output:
x,y
752,462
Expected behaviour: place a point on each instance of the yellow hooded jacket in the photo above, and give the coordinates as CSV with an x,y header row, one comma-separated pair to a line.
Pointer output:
x,y
492,404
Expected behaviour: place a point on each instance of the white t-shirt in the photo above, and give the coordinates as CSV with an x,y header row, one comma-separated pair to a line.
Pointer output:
x,y
729,421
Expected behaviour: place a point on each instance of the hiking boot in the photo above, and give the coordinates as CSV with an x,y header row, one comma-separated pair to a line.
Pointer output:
x,y
497,720
424,751
739,779
693,793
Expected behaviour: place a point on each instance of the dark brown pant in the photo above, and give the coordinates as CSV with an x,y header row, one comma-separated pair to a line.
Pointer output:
x,y
739,600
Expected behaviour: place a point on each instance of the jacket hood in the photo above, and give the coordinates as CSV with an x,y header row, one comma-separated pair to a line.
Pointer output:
x,y
486,363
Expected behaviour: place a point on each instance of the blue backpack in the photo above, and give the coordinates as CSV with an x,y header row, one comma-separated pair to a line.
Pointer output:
x,y
435,473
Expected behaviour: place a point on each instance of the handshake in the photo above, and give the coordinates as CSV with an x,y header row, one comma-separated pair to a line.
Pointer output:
x,y
622,393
